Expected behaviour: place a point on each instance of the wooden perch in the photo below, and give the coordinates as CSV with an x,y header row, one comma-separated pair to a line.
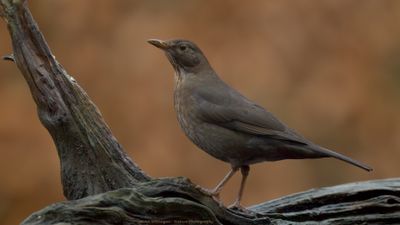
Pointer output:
x,y
177,201
104,186
92,161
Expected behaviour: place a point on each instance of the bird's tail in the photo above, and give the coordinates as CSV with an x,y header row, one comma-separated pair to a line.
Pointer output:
x,y
339,156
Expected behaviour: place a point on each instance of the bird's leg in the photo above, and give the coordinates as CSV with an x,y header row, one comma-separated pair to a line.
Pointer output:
x,y
215,192
221,184
236,205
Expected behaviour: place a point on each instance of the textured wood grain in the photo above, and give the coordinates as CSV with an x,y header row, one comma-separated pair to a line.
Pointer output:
x,y
92,161
177,201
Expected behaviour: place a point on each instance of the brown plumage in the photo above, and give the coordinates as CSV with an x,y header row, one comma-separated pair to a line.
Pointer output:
x,y
227,125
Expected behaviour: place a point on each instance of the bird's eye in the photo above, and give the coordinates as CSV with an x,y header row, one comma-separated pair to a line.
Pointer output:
x,y
182,47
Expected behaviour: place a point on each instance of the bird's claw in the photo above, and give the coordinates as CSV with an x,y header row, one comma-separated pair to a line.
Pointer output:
x,y
237,207
212,193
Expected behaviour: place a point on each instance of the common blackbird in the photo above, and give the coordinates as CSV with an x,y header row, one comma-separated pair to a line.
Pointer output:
x,y
227,125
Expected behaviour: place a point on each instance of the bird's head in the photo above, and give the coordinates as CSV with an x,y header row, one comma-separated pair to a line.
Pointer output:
x,y
184,55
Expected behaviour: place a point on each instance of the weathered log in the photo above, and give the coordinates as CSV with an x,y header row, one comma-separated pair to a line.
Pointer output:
x,y
92,161
177,201
105,186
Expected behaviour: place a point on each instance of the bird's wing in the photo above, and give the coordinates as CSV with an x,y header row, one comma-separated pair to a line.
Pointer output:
x,y
233,111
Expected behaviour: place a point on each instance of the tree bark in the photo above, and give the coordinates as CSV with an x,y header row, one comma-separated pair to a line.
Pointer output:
x,y
92,161
104,186
177,201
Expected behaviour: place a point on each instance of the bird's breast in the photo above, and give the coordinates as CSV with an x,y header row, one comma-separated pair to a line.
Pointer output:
x,y
184,107
189,120
213,139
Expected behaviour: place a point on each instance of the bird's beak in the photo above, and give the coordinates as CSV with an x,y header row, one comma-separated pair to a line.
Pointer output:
x,y
159,43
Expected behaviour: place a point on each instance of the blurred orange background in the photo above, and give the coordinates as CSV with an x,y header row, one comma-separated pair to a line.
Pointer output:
x,y
329,69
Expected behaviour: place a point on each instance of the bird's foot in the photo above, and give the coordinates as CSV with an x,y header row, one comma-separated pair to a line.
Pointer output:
x,y
238,207
213,193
